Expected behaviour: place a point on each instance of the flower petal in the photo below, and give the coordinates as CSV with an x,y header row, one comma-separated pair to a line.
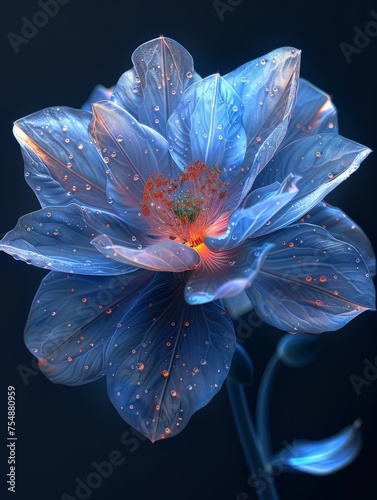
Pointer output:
x,y
224,274
314,113
73,317
262,204
99,93
325,456
311,282
322,161
163,70
61,164
343,228
132,152
59,239
162,256
167,359
207,126
268,89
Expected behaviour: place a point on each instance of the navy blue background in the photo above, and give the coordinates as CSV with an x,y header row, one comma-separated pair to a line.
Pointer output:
x,y
62,430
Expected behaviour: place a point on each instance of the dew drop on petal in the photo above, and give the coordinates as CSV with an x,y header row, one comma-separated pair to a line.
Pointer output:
x,y
165,373
140,366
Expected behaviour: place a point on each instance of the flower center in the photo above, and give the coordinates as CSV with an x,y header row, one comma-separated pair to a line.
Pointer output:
x,y
187,207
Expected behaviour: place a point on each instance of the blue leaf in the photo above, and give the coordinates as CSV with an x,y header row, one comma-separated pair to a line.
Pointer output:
x,y
167,359
59,238
311,282
61,164
132,152
343,228
151,90
267,87
73,317
322,457
322,161
314,113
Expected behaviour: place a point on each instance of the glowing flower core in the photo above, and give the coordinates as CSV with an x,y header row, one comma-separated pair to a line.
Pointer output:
x,y
186,207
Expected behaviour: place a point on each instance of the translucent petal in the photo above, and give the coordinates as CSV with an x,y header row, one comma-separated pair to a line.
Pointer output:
x,y
162,256
132,152
311,282
343,228
314,113
59,238
167,359
99,93
224,274
268,88
262,204
325,456
61,164
322,161
163,70
207,127
72,318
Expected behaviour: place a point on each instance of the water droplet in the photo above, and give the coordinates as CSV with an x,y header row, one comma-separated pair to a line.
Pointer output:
x,y
318,303
203,362
80,146
133,238
189,74
323,279
109,310
309,279
235,108
173,393
69,359
140,366
263,62
165,373
136,177
187,323
88,187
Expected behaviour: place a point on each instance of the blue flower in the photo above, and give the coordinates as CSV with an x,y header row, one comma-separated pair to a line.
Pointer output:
x,y
174,193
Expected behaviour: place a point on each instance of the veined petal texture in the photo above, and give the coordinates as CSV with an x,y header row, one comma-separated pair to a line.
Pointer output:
x,y
150,91
314,113
167,359
132,152
62,166
73,317
267,87
322,162
311,282
59,239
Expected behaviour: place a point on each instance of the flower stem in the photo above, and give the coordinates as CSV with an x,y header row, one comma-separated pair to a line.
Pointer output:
x,y
263,404
252,449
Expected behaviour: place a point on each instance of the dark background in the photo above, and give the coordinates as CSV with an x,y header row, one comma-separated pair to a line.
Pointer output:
x,y
62,430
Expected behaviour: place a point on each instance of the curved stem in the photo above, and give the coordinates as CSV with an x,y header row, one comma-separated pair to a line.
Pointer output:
x,y
252,449
263,404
